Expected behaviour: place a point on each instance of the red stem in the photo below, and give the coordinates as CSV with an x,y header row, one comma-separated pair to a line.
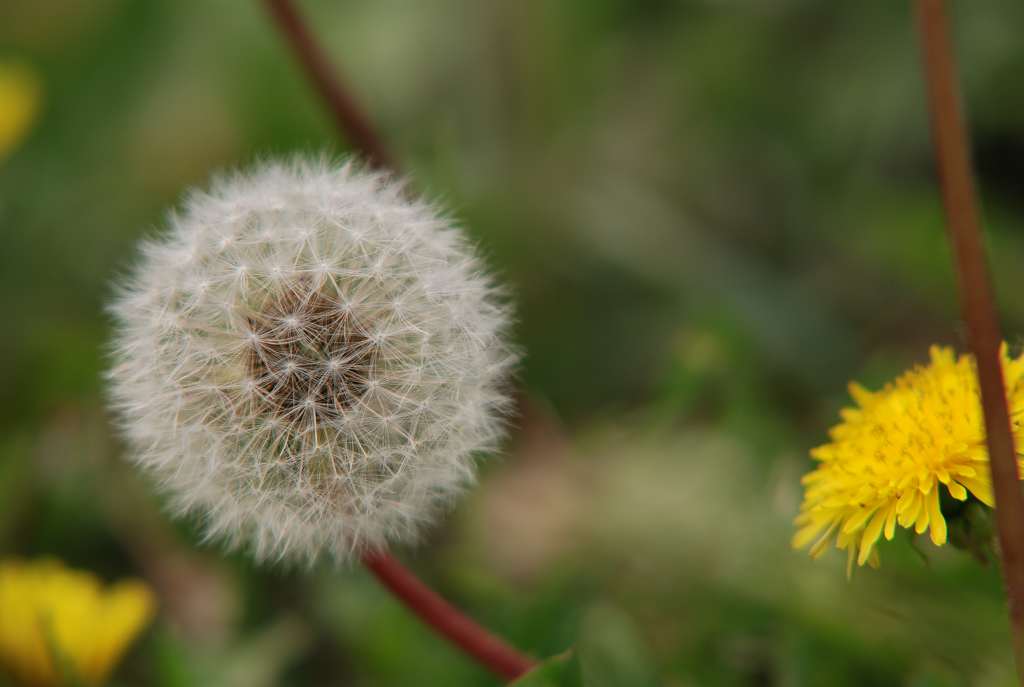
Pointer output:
x,y
351,121
444,618
977,302
438,614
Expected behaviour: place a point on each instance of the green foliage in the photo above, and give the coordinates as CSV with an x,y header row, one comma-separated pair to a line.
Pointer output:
x,y
611,653
558,671
711,216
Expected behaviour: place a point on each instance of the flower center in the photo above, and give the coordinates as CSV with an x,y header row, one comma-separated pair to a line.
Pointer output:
x,y
308,357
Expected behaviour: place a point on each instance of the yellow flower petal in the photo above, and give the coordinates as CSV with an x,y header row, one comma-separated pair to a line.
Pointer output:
x,y
893,448
871,534
857,519
938,522
957,491
922,518
54,618
20,95
890,523
981,488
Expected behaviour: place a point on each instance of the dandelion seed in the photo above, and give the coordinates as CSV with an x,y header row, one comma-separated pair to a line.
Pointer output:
x,y
334,399
893,454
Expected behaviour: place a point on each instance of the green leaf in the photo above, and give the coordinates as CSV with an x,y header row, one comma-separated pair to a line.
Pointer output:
x,y
562,670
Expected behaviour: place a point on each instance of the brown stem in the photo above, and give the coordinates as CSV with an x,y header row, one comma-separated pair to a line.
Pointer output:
x,y
977,302
441,616
444,618
351,121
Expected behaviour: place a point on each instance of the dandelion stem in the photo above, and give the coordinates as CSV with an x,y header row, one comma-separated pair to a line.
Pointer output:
x,y
350,120
445,619
977,302
352,123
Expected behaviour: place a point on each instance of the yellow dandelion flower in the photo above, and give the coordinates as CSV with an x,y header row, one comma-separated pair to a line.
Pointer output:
x,y
891,456
57,622
20,93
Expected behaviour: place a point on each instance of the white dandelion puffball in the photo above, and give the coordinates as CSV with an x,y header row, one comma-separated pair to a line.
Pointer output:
x,y
310,361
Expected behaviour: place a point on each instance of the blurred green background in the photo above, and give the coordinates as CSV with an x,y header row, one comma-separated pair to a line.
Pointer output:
x,y
713,214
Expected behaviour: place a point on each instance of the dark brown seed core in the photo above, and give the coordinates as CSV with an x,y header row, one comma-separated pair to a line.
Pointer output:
x,y
309,358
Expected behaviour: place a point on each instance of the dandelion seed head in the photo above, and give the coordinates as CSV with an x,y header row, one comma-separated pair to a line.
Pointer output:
x,y
310,360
